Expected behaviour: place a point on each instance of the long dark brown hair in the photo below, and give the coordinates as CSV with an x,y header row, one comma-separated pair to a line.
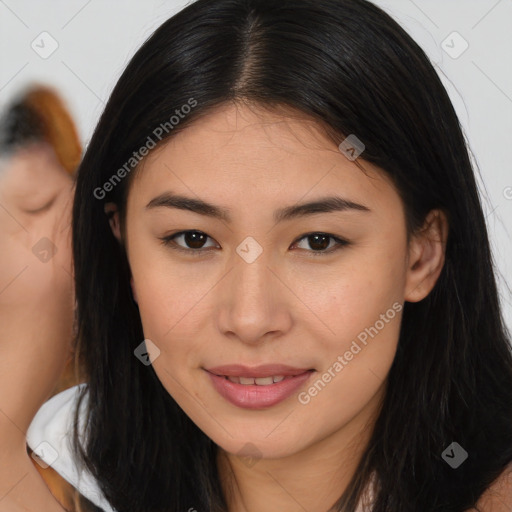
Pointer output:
x,y
351,67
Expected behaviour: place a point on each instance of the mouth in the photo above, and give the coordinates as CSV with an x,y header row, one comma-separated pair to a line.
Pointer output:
x,y
264,375
257,387
258,381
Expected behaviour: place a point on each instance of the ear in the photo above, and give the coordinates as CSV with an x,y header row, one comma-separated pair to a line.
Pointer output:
x,y
426,256
113,218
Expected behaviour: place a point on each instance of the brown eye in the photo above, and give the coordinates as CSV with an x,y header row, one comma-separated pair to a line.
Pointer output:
x,y
194,241
320,243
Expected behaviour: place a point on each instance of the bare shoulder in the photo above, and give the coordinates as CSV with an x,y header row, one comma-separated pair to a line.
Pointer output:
x,y
498,497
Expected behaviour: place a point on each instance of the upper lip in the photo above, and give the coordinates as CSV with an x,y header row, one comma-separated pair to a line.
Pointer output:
x,y
264,370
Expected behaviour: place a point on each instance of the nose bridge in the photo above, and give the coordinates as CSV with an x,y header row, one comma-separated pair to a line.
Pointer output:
x,y
252,303
251,278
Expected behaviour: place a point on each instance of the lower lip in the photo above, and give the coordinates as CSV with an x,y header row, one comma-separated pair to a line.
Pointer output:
x,y
252,396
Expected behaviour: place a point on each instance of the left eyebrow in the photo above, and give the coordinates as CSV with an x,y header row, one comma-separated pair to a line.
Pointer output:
x,y
321,205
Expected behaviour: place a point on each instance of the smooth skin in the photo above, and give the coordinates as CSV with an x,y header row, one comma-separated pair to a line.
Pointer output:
x,y
291,305
36,311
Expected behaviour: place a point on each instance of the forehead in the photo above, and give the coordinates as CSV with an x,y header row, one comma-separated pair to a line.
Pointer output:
x,y
254,154
30,170
251,134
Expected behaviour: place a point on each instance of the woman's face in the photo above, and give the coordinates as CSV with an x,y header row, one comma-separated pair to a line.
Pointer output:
x,y
36,195
263,287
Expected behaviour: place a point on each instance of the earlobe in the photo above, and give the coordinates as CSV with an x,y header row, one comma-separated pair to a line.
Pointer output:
x,y
426,256
112,213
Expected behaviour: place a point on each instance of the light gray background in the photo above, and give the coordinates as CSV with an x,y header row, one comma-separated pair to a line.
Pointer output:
x,y
96,38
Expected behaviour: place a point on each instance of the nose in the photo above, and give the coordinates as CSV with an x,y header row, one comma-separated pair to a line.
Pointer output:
x,y
254,302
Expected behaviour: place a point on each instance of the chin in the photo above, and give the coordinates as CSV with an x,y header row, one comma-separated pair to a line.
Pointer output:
x,y
259,445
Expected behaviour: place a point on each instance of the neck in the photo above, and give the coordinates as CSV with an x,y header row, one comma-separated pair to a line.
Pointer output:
x,y
312,479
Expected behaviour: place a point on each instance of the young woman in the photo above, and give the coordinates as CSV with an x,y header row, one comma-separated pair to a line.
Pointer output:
x,y
39,153
286,296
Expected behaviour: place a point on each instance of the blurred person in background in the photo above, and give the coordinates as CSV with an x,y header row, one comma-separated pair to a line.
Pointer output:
x,y
39,152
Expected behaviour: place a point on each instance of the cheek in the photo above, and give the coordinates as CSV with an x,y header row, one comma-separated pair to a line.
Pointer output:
x,y
354,296
163,293
355,363
361,305
171,309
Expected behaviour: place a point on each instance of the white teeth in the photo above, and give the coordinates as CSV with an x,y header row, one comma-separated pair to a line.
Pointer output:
x,y
259,381
264,381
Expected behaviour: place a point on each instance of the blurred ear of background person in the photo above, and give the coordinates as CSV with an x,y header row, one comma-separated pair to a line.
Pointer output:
x,y
39,153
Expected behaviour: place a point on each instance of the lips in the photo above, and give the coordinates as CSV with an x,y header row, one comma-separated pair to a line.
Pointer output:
x,y
267,370
257,387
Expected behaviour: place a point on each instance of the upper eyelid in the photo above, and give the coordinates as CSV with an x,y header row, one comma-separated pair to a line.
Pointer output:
x,y
43,208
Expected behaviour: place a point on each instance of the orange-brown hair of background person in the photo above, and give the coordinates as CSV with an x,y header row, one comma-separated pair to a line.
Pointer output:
x,y
58,126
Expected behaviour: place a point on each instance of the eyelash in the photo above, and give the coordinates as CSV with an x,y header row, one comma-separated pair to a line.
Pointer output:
x,y
168,241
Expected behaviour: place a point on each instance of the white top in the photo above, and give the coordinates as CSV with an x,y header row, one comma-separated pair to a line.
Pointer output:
x,y
49,436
